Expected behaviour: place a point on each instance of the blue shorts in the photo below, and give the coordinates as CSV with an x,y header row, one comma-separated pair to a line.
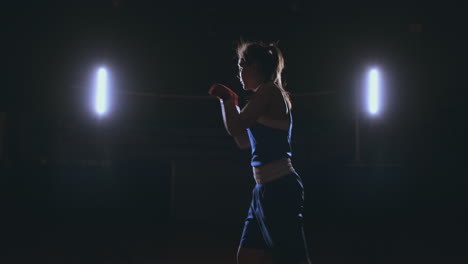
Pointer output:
x,y
275,222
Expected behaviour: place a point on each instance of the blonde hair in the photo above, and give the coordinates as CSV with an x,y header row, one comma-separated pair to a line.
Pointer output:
x,y
269,57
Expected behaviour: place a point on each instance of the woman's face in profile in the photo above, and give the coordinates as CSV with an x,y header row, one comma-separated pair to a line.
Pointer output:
x,y
246,75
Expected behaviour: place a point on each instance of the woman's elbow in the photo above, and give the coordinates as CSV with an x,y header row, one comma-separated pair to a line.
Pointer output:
x,y
242,140
237,129
243,145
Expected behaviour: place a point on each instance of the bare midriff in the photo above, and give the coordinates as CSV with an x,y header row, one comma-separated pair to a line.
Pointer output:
x,y
273,170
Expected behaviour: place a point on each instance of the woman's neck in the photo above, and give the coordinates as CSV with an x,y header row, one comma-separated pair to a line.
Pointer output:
x,y
260,84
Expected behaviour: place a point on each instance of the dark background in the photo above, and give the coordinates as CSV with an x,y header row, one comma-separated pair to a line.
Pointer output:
x,y
158,180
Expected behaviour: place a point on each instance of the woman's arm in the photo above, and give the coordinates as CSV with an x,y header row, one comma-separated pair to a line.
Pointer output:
x,y
242,140
231,115
237,122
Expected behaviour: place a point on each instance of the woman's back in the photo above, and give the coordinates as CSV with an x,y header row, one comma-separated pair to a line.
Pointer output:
x,y
270,136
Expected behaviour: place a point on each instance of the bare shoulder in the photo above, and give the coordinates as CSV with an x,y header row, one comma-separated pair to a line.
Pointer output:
x,y
277,110
269,91
277,95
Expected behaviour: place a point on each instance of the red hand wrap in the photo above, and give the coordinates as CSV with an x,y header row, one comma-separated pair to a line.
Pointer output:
x,y
223,92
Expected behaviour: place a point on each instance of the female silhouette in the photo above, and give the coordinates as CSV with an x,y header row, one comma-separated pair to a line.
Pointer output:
x,y
273,230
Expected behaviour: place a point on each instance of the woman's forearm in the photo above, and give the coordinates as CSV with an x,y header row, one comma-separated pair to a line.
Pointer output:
x,y
231,118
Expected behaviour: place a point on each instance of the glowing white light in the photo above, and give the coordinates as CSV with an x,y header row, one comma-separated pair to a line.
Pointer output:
x,y
101,92
373,92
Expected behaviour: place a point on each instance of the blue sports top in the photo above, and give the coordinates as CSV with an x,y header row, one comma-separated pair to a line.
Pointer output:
x,y
269,144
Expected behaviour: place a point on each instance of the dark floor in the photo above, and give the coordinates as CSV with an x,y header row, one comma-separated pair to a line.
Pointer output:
x,y
372,214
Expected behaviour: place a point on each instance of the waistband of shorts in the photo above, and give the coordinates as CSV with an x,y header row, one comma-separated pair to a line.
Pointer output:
x,y
273,170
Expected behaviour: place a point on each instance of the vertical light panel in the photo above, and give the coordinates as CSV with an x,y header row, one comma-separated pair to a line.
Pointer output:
x,y
373,92
101,92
